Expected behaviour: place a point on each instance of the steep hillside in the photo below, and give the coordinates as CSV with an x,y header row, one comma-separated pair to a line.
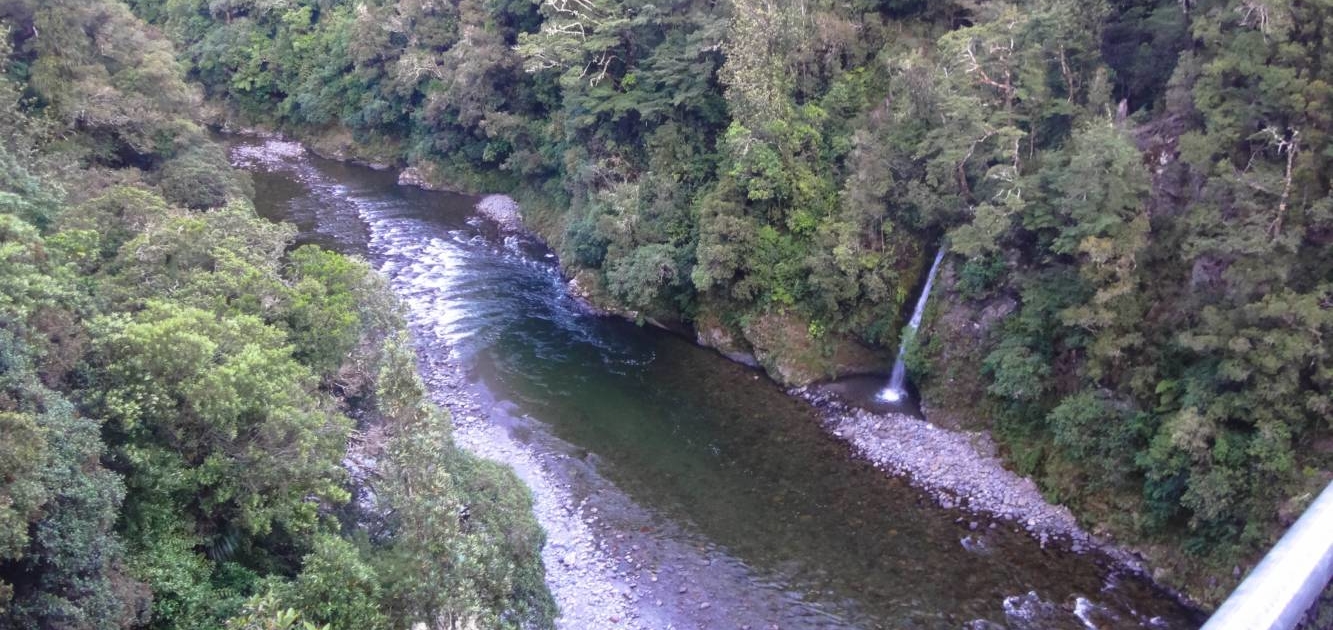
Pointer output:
x,y
1134,192
179,389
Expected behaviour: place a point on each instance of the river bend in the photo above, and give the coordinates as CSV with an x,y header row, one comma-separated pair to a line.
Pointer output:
x,y
678,489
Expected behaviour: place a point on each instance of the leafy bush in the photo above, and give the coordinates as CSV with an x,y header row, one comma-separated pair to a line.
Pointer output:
x,y
200,179
978,276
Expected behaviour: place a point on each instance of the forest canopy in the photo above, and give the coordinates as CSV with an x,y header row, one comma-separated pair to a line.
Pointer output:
x,y
179,386
1134,195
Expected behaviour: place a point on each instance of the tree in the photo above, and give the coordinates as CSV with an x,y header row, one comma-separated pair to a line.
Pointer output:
x,y
448,511
60,563
337,587
215,411
102,71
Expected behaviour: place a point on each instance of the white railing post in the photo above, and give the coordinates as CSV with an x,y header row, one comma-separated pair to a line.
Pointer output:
x,y
1278,592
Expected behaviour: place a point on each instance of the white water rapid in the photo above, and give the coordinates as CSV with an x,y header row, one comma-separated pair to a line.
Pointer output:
x,y
897,388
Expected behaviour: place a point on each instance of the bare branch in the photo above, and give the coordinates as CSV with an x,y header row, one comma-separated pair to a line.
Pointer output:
x,y
961,170
1291,148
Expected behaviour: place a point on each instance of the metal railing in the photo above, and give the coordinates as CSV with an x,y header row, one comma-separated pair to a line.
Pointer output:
x,y
1278,592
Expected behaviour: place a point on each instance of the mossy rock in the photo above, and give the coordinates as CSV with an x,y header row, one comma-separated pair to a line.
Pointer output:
x,y
792,356
337,143
948,352
712,332
427,175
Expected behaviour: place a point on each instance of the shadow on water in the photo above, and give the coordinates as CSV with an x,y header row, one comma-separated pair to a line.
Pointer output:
x,y
684,432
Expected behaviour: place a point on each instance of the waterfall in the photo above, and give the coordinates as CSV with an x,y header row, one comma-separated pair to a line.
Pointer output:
x,y
897,389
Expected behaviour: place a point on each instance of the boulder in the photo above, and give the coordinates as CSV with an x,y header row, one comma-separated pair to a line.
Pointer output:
x,y
503,211
792,356
710,332
425,176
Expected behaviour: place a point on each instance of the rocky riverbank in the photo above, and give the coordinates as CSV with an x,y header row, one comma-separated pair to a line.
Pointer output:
x,y
613,564
958,469
581,573
963,470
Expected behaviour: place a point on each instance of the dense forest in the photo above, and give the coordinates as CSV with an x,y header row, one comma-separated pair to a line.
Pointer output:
x,y
1134,194
180,387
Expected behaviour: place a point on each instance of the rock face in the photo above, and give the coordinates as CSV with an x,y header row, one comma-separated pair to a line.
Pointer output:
x,y
425,176
339,145
586,286
956,338
710,332
503,211
412,176
785,347
726,345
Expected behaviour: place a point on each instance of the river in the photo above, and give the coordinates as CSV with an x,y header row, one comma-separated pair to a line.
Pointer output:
x,y
678,489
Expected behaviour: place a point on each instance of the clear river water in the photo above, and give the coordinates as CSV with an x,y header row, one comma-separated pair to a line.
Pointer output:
x,y
723,503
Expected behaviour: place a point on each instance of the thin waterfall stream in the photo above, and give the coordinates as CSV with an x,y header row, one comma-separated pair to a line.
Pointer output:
x,y
897,387
677,488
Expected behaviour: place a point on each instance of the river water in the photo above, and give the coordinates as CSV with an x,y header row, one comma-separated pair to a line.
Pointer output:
x,y
678,489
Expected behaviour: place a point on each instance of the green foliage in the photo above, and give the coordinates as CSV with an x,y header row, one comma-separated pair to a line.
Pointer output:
x,y
1166,346
1098,432
641,280
24,195
219,405
324,312
168,561
449,513
177,389
99,69
1141,41
336,587
23,492
587,247
59,565
1150,290
262,613
115,217
979,275
225,261
200,178
1017,372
